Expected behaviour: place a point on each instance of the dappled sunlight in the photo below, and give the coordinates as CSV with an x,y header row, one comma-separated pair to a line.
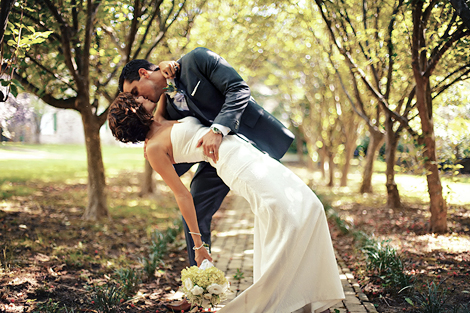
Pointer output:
x,y
240,226
232,233
412,188
15,206
449,243
25,279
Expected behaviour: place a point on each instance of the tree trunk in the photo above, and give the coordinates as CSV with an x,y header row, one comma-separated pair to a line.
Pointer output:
x,y
148,181
331,168
321,161
351,137
310,164
393,197
37,129
438,205
419,63
6,6
376,141
300,147
97,205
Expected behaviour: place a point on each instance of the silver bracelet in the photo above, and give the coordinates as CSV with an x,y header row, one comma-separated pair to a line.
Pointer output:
x,y
197,248
195,233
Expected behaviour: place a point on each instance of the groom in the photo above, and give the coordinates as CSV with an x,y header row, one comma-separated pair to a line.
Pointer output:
x,y
208,88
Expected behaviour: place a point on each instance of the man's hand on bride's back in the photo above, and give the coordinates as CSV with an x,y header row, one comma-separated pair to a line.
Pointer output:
x,y
210,143
169,68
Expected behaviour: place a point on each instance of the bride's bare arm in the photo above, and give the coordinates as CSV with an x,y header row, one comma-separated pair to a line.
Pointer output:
x,y
161,163
159,114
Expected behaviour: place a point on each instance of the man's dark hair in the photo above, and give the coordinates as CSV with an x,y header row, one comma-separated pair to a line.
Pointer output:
x,y
128,119
130,72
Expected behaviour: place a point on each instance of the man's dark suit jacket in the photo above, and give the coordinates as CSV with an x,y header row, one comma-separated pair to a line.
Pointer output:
x,y
216,93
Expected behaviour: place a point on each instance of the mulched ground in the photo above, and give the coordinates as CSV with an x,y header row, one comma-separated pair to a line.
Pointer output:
x,y
51,259
428,258
49,254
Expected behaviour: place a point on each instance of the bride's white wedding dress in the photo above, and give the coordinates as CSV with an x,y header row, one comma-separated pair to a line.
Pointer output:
x,y
294,263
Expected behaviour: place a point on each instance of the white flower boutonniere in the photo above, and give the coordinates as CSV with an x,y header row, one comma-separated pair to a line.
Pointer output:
x,y
171,89
177,95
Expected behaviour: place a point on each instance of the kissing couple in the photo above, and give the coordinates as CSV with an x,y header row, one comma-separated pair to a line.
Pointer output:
x,y
199,110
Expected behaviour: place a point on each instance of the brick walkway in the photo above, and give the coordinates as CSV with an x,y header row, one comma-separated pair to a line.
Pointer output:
x,y
232,252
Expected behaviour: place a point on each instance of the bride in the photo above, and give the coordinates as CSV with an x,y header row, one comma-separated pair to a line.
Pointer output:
x,y
294,265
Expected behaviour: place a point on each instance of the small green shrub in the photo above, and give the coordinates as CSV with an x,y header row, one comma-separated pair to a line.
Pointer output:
x,y
432,300
6,257
238,275
107,299
129,280
462,308
151,263
385,261
52,307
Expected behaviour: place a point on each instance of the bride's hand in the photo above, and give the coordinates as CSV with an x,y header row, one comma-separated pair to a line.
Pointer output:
x,y
201,255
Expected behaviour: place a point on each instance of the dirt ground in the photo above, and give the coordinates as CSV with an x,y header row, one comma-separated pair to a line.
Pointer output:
x,y
442,259
49,255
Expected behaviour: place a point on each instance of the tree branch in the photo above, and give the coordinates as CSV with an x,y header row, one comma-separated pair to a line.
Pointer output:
x,y
155,13
47,70
445,87
65,39
40,24
457,35
133,30
462,10
390,50
92,9
46,97
427,13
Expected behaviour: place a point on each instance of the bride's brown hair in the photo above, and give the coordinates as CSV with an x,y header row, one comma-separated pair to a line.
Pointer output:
x,y
128,119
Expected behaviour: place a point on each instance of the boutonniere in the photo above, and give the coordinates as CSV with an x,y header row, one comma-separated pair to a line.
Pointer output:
x,y
175,94
171,89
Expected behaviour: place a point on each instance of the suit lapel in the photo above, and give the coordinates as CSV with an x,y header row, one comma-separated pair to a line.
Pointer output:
x,y
189,100
172,110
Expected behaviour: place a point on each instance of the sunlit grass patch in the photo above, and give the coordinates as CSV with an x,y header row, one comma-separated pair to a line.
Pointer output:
x,y
9,189
412,188
62,163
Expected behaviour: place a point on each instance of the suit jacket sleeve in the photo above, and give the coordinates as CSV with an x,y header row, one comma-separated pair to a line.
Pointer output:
x,y
228,82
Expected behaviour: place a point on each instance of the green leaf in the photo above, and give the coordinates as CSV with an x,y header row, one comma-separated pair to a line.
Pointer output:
x,y
409,301
14,90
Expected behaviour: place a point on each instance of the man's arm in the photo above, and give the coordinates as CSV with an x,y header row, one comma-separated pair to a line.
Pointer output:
x,y
235,90
229,83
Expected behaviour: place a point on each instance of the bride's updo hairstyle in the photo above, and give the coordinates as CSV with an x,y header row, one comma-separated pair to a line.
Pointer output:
x,y
128,119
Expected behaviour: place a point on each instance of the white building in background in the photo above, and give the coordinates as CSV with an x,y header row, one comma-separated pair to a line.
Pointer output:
x,y
64,126
19,123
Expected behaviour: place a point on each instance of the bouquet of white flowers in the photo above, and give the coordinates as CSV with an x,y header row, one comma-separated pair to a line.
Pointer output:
x,y
204,286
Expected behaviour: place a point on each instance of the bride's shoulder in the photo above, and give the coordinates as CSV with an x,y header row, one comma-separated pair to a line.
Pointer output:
x,y
158,143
